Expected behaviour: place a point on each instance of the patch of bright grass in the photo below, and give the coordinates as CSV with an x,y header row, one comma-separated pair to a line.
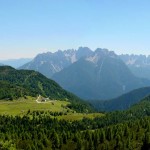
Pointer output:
x,y
21,106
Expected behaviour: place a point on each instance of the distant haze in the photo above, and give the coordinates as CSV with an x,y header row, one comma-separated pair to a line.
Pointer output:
x,y
15,62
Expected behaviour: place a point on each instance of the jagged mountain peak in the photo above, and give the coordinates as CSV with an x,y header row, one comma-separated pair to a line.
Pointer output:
x,y
138,64
105,52
102,75
99,74
43,56
137,60
102,50
69,51
50,63
100,55
84,49
83,52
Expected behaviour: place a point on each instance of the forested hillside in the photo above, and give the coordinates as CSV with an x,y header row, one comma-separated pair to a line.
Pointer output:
x,y
122,102
118,130
22,83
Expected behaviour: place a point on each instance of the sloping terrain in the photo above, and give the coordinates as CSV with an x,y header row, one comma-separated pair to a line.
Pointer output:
x,y
138,64
101,76
50,63
21,83
122,102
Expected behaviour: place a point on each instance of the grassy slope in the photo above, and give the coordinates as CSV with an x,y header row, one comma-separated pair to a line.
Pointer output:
x,y
18,83
21,107
18,107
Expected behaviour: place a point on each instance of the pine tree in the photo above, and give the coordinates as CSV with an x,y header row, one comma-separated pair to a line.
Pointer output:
x,y
55,140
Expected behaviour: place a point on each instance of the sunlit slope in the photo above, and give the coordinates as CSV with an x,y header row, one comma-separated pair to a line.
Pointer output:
x,y
22,83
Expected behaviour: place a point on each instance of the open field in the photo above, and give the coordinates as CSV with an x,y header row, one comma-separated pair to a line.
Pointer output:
x,y
21,107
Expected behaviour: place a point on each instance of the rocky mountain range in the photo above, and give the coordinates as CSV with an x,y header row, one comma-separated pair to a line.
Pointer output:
x,y
50,63
99,74
138,64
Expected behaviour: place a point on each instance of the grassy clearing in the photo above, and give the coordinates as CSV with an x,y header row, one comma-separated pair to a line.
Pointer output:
x,y
21,106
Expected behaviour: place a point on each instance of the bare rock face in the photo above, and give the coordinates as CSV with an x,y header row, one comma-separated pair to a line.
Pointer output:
x,y
138,64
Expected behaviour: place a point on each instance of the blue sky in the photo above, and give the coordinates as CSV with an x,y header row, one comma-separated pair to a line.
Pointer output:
x,y
29,27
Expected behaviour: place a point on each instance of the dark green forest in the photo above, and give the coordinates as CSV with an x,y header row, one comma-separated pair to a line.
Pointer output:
x,y
124,130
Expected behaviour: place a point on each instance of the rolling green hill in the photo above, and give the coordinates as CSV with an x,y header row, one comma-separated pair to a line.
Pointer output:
x,y
22,83
137,111
122,102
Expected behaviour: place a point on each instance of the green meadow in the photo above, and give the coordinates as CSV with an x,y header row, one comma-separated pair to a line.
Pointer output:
x,y
22,106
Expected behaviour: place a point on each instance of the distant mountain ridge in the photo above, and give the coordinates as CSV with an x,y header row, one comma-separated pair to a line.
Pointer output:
x,y
99,74
137,60
138,64
102,75
50,63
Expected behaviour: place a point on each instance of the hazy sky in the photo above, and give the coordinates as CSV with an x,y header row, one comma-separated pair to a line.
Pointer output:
x,y
29,27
